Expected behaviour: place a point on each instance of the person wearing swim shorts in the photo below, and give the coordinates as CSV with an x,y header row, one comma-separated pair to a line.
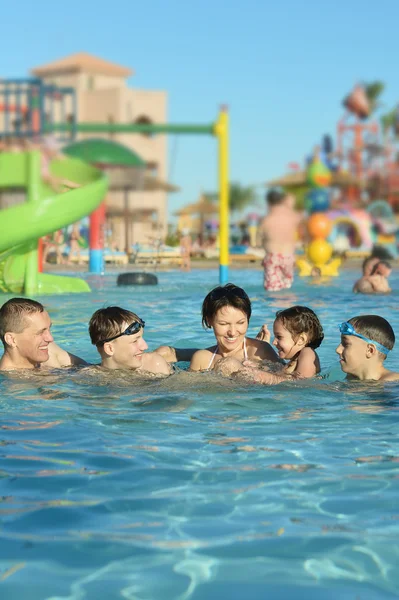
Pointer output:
x,y
278,231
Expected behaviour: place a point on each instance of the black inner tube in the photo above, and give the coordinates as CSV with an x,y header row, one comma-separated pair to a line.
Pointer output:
x,y
137,279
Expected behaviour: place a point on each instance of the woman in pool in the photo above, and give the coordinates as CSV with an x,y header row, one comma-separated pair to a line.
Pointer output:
x,y
297,333
227,310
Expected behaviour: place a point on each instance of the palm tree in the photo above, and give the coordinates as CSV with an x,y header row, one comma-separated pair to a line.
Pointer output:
x,y
373,91
389,121
240,196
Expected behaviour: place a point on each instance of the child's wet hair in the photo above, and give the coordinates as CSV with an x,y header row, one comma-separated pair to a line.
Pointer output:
x,y
221,296
374,328
108,322
301,319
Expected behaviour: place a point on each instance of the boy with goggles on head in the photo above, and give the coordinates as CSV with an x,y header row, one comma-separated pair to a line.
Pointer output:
x,y
365,343
118,335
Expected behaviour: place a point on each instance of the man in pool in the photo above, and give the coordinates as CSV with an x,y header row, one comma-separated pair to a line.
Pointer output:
x,y
278,232
118,336
379,277
365,343
364,285
28,344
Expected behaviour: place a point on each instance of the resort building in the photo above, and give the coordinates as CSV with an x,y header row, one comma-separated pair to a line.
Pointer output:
x,y
103,96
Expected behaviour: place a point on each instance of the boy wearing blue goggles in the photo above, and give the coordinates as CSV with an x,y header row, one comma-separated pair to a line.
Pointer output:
x,y
365,343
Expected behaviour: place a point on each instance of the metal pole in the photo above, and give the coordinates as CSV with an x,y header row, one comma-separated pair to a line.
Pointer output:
x,y
222,133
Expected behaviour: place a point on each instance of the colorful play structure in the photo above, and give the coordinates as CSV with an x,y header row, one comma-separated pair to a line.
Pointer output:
x,y
357,211
319,250
42,213
32,109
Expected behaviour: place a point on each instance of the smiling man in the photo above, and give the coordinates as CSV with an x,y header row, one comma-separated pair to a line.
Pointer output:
x,y
28,344
118,335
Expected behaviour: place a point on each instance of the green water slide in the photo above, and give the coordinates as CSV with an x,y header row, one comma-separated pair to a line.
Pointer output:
x,y
43,213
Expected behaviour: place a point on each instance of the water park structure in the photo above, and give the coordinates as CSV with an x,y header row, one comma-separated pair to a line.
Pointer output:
x,y
360,200
32,109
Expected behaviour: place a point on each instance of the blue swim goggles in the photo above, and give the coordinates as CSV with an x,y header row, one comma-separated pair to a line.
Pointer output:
x,y
348,329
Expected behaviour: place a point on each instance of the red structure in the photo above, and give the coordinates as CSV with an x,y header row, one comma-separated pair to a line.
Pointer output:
x,y
356,151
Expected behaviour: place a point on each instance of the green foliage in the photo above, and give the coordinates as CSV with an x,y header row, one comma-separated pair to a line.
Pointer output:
x,y
373,91
172,239
240,197
299,192
388,121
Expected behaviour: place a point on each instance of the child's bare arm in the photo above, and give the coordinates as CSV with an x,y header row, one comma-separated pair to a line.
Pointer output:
x,y
263,377
306,365
264,334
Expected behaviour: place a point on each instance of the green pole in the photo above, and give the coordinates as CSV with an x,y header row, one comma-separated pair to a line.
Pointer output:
x,y
33,195
128,128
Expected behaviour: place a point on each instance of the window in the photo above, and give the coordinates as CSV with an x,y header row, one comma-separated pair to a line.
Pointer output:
x,y
90,83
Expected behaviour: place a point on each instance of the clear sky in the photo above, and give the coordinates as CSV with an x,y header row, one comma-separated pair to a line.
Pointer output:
x,y
282,68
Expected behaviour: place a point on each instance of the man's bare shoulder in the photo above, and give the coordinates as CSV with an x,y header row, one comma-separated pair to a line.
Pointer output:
x,y
59,358
155,363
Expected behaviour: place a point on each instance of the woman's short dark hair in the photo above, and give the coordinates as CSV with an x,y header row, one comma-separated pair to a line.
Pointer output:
x,y
224,295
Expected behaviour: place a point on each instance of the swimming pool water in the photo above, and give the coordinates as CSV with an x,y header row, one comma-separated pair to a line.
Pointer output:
x,y
197,487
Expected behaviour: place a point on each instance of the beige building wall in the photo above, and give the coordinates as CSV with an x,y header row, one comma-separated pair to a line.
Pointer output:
x,y
104,99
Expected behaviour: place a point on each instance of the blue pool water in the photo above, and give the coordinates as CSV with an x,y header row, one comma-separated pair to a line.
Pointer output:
x,y
197,487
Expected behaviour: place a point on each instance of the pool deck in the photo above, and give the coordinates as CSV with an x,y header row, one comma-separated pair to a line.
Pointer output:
x,y
196,264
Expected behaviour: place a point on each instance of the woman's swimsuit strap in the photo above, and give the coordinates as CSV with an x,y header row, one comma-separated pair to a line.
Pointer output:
x,y
216,351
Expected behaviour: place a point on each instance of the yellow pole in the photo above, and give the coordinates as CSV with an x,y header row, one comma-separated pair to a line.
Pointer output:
x,y
221,130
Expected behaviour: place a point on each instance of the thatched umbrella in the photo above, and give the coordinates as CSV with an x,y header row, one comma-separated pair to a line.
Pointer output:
x,y
299,179
203,208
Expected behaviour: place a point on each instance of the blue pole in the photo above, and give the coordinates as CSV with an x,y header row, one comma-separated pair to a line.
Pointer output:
x,y
96,261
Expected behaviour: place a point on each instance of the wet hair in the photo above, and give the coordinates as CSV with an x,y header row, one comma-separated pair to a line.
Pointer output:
x,y
13,315
384,263
374,328
368,260
107,322
275,196
301,319
224,295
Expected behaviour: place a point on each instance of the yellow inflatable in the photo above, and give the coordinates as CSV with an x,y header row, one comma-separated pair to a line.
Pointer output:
x,y
329,269
319,252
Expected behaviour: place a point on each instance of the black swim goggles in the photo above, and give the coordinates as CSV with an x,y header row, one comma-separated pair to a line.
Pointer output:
x,y
348,329
131,330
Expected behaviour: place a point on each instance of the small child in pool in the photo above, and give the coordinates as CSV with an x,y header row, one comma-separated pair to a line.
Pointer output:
x,y
365,343
297,333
